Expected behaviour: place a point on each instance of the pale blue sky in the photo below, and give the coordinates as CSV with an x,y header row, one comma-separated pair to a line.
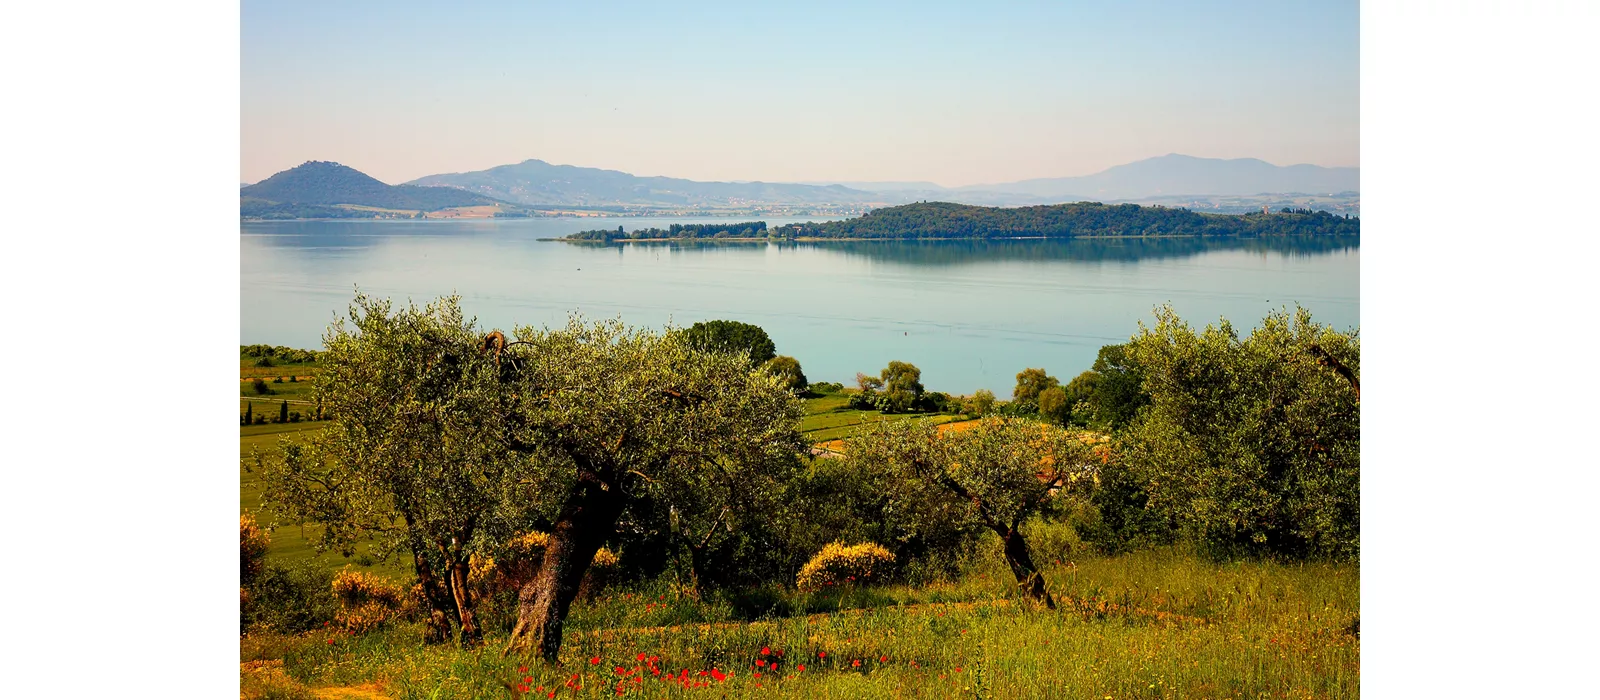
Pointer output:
x,y
955,93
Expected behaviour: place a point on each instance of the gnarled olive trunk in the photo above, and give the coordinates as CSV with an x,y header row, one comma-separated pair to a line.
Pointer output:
x,y
1028,577
588,516
436,594
471,636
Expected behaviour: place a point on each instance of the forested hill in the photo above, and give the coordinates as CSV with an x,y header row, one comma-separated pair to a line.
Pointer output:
x,y
946,220
324,183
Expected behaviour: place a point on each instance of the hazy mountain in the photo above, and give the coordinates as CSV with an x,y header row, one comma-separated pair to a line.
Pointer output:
x,y
1175,174
537,182
324,183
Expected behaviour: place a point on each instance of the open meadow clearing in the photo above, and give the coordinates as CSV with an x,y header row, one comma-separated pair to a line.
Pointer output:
x,y
1159,624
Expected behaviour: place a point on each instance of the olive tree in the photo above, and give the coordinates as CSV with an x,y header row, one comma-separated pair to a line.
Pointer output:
x,y
613,415
788,369
1251,445
993,475
411,459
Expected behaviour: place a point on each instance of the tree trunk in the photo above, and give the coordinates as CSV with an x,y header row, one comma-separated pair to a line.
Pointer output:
x,y
589,514
1028,577
471,636
441,609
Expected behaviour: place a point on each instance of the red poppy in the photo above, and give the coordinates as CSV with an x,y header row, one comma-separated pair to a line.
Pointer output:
x,y
620,670
822,655
522,688
552,694
801,667
765,651
523,669
594,661
958,669
720,676
758,674
640,657
760,663
883,659
527,679
856,663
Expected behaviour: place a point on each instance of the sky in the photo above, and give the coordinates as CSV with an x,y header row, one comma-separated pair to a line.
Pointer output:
x,y
952,93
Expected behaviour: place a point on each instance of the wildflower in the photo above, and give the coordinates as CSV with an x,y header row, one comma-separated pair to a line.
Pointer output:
x,y
822,655
522,688
620,670
765,651
958,669
758,674
720,676
640,657
801,667
856,663
527,679
523,669
760,663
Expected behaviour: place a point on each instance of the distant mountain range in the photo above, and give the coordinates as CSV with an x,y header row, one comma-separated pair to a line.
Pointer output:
x,y
536,182
1167,176
325,189
1172,180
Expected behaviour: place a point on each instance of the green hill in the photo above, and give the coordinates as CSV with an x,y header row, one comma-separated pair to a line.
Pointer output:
x,y
947,220
317,185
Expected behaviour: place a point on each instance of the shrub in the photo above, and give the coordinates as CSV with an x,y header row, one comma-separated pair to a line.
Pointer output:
x,y
260,386
366,601
253,543
277,380
264,362
287,599
838,565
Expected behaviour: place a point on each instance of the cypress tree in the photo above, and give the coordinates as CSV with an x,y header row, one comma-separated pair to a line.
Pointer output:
x,y
283,412
247,409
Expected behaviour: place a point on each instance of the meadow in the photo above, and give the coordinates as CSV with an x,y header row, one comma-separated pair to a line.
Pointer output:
x,y
1153,624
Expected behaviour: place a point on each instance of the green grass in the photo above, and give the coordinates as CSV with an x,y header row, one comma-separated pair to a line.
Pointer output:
x,y
1148,625
829,417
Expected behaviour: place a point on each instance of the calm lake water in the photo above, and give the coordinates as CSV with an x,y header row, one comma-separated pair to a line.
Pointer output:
x,y
971,314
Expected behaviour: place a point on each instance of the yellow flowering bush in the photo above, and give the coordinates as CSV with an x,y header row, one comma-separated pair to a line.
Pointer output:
x,y
253,543
366,601
838,565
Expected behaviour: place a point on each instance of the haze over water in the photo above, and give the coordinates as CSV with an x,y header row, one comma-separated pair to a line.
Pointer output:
x,y
970,314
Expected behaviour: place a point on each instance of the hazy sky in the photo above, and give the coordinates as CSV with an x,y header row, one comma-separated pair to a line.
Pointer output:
x,y
955,93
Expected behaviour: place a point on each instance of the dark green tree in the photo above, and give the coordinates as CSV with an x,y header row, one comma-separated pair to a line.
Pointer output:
x,y
732,336
1030,383
248,408
283,412
787,369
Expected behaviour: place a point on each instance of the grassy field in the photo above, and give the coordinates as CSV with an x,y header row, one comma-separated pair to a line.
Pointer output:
x,y
1149,625
829,417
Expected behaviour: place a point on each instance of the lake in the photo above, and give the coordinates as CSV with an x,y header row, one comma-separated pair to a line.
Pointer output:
x,y
970,314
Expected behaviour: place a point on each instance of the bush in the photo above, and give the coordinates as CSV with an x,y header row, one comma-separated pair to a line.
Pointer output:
x,y
826,387
366,601
253,544
838,565
277,380
288,599
264,362
260,387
